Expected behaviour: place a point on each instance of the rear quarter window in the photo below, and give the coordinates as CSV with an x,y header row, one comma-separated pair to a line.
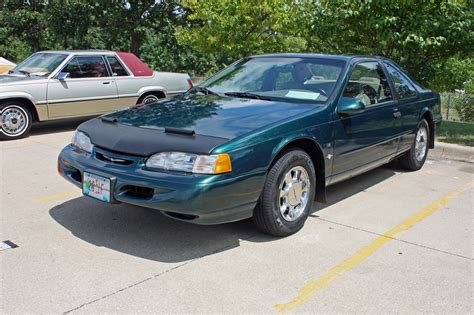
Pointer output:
x,y
117,69
402,85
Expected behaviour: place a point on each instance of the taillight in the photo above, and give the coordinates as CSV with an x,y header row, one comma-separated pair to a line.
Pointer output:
x,y
60,171
190,83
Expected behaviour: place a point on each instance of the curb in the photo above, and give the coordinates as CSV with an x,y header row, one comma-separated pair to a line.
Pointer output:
x,y
449,151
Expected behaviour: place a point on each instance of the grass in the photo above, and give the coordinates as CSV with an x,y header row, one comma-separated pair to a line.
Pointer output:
x,y
456,132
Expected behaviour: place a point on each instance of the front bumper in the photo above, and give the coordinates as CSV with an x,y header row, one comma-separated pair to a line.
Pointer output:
x,y
202,199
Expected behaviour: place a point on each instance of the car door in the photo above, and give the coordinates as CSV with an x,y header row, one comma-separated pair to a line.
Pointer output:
x,y
360,139
127,85
407,97
88,88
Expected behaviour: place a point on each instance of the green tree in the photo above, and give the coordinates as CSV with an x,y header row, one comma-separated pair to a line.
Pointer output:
x,y
73,24
452,74
127,22
22,28
161,51
416,34
231,29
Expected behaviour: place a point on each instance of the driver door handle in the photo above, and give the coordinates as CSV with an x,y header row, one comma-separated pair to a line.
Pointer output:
x,y
396,113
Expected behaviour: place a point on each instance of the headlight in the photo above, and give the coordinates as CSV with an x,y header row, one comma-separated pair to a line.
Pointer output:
x,y
191,163
82,141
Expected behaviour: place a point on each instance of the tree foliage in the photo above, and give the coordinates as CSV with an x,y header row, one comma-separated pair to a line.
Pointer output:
x,y
453,73
432,39
231,29
416,34
22,27
145,27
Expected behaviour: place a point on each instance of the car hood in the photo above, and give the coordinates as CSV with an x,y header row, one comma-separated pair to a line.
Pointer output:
x,y
152,128
211,115
6,78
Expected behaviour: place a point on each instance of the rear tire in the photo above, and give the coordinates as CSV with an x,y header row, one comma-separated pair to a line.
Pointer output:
x,y
150,98
414,159
287,196
15,120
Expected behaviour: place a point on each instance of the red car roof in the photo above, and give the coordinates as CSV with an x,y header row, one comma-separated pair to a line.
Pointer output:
x,y
138,67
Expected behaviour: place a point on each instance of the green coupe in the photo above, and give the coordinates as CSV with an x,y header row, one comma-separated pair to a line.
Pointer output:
x,y
261,139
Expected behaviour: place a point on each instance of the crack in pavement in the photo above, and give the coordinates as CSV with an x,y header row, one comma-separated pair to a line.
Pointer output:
x,y
159,274
394,238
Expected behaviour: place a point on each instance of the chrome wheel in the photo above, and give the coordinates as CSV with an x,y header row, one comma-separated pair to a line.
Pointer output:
x,y
13,120
421,142
150,99
294,193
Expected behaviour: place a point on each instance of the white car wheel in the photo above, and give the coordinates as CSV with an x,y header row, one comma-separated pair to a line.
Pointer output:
x,y
149,98
15,121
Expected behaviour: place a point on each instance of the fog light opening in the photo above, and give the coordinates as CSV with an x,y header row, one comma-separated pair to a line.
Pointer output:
x,y
181,216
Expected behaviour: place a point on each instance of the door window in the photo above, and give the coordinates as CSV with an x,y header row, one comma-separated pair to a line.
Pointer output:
x,y
86,67
403,87
117,68
369,84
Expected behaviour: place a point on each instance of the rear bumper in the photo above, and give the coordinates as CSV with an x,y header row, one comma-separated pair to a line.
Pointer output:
x,y
202,199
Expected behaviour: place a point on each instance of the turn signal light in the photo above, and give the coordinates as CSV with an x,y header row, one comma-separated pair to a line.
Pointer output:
x,y
223,164
60,171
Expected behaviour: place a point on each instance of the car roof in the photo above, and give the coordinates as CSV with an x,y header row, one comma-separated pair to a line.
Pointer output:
x,y
324,56
82,52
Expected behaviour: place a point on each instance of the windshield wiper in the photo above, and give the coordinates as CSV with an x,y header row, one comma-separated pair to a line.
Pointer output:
x,y
248,95
202,90
20,71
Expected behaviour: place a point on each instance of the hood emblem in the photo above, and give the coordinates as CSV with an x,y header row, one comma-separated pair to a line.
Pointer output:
x,y
113,160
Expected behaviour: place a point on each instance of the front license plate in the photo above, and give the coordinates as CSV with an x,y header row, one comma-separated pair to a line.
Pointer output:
x,y
95,186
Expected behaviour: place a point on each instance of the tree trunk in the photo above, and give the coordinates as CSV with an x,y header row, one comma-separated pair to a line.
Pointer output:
x,y
35,36
136,44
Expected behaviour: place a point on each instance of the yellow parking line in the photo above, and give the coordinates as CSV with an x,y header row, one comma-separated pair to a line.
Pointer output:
x,y
74,193
325,280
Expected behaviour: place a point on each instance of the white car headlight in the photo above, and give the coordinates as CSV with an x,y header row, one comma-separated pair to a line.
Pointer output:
x,y
191,163
82,141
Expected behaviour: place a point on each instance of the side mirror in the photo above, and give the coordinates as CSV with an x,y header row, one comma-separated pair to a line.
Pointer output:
x,y
63,75
350,105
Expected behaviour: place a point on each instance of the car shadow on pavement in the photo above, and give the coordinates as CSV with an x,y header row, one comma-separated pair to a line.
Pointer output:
x,y
346,189
54,126
148,234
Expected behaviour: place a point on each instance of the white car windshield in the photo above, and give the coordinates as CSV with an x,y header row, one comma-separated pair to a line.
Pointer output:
x,y
294,79
39,64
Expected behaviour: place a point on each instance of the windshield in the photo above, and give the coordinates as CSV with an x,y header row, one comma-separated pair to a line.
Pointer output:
x,y
289,79
40,64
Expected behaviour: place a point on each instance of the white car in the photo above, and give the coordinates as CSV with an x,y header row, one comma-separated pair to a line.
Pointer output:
x,y
63,84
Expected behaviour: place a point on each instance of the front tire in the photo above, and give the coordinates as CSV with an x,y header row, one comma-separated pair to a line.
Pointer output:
x,y
414,159
287,196
15,120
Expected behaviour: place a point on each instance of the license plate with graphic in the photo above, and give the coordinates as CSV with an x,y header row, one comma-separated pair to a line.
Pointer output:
x,y
95,186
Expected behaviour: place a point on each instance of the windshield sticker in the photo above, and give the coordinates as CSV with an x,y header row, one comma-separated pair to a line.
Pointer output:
x,y
303,95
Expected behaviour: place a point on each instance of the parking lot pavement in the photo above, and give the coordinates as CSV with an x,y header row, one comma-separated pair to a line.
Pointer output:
x,y
387,241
